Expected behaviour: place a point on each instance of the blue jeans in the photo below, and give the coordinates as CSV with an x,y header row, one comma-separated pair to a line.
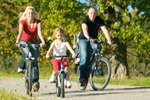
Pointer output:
x,y
34,52
84,45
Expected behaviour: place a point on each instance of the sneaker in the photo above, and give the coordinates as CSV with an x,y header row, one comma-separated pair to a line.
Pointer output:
x,y
77,61
20,70
36,86
52,79
68,83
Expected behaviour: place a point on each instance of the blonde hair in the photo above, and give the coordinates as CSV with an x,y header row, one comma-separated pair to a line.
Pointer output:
x,y
58,30
23,15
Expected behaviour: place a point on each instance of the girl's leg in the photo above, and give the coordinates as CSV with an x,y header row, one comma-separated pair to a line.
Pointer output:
x,y
67,81
54,73
55,69
67,71
52,78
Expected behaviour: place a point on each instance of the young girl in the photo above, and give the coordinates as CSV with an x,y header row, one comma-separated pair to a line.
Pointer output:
x,y
59,49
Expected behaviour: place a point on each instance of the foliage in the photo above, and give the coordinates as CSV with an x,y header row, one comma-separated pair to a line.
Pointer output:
x,y
53,13
9,28
132,28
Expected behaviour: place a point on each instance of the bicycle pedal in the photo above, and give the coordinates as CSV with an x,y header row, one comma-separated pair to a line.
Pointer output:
x,y
52,81
21,72
68,87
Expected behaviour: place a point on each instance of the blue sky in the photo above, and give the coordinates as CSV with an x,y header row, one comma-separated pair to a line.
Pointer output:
x,y
129,7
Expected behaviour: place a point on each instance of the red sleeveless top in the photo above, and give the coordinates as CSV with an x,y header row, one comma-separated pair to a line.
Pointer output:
x,y
29,35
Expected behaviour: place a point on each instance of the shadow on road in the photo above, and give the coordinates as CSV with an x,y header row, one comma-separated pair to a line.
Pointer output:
x,y
88,93
131,88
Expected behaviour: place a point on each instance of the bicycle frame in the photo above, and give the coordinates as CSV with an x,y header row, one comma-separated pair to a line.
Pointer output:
x,y
61,74
94,55
97,64
29,71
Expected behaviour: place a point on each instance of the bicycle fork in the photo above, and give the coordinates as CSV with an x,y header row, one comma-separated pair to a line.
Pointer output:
x,y
59,74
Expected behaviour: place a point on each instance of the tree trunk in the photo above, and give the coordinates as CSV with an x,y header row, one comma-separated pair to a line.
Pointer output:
x,y
118,61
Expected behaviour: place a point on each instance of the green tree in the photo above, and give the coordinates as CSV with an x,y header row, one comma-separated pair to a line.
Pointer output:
x,y
8,30
66,14
129,30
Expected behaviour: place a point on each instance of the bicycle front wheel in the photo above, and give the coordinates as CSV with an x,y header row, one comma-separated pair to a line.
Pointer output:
x,y
62,85
30,77
57,87
100,74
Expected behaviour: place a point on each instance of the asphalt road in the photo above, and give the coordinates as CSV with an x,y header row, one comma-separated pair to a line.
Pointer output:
x,y
47,91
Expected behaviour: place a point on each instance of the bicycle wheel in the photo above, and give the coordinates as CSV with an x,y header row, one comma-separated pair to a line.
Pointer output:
x,y
57,88
100,74
30,77
62,85
78,83
26,80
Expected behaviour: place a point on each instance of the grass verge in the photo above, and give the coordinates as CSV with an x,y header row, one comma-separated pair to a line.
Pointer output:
x,y
11,96
45,74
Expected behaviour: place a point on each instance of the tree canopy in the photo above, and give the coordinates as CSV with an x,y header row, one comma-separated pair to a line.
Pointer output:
x,y
131,28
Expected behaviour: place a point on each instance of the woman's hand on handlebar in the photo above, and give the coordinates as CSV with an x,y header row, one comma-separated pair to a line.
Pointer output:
x,y
17,44
42,44
109,42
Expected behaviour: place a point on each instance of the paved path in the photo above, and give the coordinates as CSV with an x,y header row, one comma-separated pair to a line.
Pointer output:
x,y
47,91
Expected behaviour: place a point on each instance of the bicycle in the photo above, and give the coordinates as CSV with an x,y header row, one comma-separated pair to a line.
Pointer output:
x,y
29,69
99,68
61,75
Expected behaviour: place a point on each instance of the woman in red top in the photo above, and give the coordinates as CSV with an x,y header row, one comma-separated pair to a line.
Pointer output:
x,y
29,28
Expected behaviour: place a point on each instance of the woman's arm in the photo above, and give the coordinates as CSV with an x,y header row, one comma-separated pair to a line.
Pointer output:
x,y
40,34
19,35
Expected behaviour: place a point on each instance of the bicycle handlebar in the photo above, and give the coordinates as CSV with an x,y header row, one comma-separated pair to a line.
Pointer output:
x,y
67,57
101,42
29,45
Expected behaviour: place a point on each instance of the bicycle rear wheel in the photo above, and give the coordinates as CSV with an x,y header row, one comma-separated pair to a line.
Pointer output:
x,y
100,74
62,85
78,83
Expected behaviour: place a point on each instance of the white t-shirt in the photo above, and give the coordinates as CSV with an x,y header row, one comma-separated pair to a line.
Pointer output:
x,y
59,50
